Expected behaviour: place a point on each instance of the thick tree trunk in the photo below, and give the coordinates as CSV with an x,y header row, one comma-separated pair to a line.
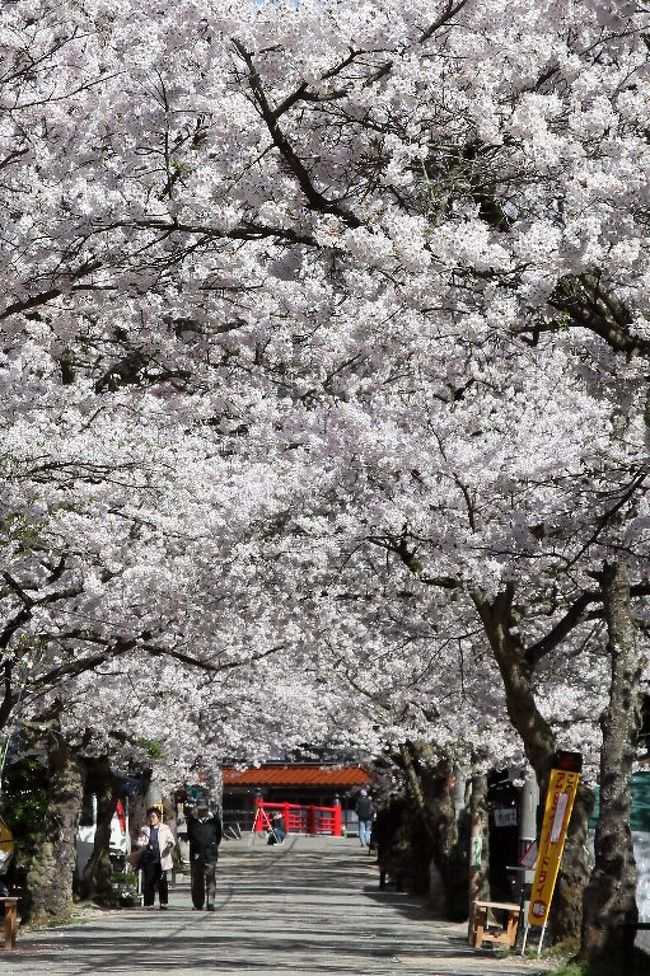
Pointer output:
x,y
479,843
420,832
214,783
51,871
430,781
95,882
448,856
610,898
437,781
138,809
517,669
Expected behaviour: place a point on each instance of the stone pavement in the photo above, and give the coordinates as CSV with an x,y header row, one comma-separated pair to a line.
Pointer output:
x,y
311,906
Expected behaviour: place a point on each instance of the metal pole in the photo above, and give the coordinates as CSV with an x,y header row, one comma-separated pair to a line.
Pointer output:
x,y
527,836
528,812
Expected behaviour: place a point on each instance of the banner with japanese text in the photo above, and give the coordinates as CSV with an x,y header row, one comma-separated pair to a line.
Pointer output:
x,y
562,788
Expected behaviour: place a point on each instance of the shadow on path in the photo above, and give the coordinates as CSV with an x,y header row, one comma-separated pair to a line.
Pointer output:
x,y
308,907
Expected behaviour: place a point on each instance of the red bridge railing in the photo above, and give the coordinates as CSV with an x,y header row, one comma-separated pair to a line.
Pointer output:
x,y
300,819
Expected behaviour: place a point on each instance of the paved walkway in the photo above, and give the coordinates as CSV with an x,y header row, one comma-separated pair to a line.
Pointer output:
x,y
311,906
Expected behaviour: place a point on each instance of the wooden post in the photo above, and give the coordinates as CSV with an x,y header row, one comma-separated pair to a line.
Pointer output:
x,y
11,922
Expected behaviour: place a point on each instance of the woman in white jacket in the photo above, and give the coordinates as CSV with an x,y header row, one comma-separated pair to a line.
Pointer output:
x,y
157,843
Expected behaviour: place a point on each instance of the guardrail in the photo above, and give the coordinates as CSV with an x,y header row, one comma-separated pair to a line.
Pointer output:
x,y
300,819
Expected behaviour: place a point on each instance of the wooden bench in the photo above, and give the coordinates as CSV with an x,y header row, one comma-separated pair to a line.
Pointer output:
x,y
506,936
11,921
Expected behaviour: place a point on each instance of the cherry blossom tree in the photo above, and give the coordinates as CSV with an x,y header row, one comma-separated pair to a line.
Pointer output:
x,y
322,313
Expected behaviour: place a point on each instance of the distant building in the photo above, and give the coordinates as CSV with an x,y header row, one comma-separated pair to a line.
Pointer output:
x,y
304,784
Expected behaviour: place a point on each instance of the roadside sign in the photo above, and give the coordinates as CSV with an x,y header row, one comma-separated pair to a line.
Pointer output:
x,y
560,796
529,857
506,817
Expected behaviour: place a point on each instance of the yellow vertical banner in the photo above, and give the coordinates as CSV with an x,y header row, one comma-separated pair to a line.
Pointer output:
x,y
561,793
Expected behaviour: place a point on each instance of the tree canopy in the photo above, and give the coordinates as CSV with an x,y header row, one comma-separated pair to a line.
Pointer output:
x,y
323,376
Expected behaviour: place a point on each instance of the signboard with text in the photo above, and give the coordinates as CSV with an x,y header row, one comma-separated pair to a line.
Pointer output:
x,y
560,796
506,817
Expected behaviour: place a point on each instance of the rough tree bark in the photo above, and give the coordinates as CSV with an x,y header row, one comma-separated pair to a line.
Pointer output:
x,y
430,781
214,783
95,882
479,843
51,871
517,666
138,808
409,762
610,897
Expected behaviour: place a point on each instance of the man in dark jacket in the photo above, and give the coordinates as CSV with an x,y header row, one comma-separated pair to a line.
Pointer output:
x,y
204,835
365,813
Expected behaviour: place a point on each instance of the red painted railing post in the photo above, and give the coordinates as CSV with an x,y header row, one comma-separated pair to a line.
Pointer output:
x,y
258,822
336,821
311,825
285,814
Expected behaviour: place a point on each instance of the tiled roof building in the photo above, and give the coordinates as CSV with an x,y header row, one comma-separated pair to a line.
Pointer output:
x,y
298,775
304,784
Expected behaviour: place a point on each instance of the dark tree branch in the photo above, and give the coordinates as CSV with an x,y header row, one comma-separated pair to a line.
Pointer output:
x,y
247,231
575,615
591,306
74,668
408,556
606,518
42,298
450,11
314,197
194,662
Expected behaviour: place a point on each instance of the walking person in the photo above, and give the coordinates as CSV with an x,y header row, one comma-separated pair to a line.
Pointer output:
x,y
385,838
156,842
276,830
279,826
204,834
365,813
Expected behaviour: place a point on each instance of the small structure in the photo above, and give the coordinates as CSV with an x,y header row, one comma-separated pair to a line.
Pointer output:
x,y
301,785
484,930
11,921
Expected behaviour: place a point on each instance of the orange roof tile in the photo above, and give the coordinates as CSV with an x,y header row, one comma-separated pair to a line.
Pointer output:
x,y
296,775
